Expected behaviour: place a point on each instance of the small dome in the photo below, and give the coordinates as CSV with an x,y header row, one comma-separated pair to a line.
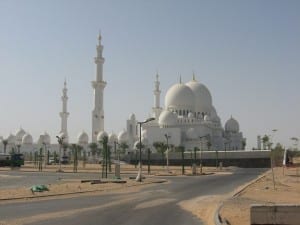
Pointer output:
x,y
167,118
136,145
11,139
83,138
207,118
232,125
112,138
132,116
190,115
191,133
27,139
123,136
180,97
47,139
203,99
19,134
101,135
64,136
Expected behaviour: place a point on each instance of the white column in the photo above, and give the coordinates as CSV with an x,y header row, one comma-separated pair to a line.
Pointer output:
x,y
156,108
98,85
64,114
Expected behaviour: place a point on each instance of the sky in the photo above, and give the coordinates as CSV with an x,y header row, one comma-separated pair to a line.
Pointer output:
x,y
246,52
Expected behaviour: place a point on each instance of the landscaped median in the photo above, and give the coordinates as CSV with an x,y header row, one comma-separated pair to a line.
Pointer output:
x,y
75,186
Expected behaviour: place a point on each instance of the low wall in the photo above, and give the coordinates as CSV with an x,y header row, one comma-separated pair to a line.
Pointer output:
x,y
283,214
246,159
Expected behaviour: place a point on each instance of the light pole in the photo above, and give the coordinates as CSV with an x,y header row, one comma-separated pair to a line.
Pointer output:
x,y
167,155
60,141
139,175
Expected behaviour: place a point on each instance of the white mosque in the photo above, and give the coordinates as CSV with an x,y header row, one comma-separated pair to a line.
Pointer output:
x,y
188,119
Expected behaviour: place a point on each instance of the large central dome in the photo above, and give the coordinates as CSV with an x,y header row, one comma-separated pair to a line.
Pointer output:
x,y
180,98
203,99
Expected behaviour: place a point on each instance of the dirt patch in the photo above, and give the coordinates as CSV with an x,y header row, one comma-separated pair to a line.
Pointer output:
x,y
74,187
203,207
287,190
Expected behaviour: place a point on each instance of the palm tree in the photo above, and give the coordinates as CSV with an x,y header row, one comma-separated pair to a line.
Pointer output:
x,y
94,147
208,143
105,155
265,141
76,150
65,148
123,147
5,142
244,144
160,147
195,154
181,149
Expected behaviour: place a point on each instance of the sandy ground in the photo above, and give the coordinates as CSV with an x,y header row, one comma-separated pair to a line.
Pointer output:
x,y
287,190
66,187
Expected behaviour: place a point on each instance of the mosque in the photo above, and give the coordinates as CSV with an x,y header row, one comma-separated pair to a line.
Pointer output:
x,y
188,119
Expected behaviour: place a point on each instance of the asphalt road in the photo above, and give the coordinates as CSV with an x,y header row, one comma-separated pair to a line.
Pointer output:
x,y
152,205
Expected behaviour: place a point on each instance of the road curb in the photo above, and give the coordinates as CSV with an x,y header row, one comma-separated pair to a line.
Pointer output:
x,y
217,217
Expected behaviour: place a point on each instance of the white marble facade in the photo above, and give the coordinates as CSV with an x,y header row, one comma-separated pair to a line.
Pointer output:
x,y
189,118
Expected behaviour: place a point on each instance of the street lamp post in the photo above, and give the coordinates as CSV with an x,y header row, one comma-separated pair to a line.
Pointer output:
x,y
167,155
60,141
139,175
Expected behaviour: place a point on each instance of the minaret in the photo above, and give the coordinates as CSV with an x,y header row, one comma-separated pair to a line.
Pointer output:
x,y
64,114
98,85
156,108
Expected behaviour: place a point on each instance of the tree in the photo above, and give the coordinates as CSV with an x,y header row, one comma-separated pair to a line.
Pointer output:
x,y
277,154
105,155
123,147
195,154
181,149
55,157
65,147
208,143
265,139
244,144
94,147
161,148
84,158
76,149
296,141
5,142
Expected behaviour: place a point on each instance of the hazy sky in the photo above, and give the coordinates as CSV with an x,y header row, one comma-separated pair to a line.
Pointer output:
x,y
246,52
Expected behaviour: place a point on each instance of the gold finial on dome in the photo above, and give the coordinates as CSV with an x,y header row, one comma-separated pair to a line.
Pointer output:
x,y
194,79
